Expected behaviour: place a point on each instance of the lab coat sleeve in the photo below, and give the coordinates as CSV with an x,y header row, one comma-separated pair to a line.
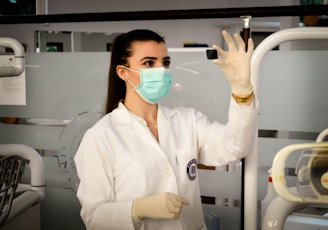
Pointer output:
x,y
95,192
222,144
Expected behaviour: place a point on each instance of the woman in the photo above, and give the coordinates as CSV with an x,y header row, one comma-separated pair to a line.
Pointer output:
x,y
137,165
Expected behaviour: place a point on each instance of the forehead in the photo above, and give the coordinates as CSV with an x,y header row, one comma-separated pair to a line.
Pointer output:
x,y
141,49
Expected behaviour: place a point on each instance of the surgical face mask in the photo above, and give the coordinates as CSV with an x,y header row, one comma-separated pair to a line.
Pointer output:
x,y
155,83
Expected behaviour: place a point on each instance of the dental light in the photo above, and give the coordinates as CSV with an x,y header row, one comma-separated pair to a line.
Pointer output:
x,y
312,173
14,66
312,181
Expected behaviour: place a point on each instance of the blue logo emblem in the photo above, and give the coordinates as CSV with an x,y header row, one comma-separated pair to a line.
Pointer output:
x,y
191,169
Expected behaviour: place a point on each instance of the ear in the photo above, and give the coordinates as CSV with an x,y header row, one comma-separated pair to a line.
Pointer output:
x,y
121,72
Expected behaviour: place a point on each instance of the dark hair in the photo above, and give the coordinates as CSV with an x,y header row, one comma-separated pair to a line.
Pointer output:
x,y
121,51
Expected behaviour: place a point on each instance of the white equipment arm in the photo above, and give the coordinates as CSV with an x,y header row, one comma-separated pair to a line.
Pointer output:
x,y
251,161
16,66
35,162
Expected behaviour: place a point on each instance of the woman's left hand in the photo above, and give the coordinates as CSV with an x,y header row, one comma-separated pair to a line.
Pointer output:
x,y
235,63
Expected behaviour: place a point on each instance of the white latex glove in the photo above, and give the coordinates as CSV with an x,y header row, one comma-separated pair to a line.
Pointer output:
x,y
160,206
235,64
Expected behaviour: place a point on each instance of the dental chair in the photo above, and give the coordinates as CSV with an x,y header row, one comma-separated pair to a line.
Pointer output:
x,y
310,194
16,197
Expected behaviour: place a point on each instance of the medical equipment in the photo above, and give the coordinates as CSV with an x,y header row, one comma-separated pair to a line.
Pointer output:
x,y
251,161
213,54
17,197
11,170
311,187
269,196
246,33
14,65
246,29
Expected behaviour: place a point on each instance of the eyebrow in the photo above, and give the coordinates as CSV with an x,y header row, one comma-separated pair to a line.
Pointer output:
x,y
154,58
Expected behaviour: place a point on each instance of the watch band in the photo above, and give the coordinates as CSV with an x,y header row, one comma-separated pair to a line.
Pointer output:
x,y
243,99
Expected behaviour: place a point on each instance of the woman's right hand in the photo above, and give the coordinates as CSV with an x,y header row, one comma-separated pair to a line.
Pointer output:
x,y
160,206
235,63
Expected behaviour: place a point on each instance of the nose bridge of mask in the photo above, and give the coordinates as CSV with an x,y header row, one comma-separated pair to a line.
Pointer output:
x,y
157,74
154,72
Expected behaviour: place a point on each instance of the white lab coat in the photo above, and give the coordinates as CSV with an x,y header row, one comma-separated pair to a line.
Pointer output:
x,y
119,160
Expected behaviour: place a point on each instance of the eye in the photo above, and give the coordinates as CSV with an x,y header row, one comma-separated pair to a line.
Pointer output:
x,y
167,63
149,63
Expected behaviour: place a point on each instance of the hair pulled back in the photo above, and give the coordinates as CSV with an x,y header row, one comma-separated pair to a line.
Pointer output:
x,y
121,51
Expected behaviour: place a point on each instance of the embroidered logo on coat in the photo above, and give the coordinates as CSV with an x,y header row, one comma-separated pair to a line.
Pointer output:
x,y
191,169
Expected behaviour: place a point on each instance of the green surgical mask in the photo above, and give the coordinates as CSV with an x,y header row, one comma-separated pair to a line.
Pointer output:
x,y
155,83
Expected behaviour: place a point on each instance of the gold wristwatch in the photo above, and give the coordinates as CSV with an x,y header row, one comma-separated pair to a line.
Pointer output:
x,y
243,100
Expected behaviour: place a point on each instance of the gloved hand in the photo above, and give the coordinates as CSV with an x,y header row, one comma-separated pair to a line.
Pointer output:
x,y
160,206
236,64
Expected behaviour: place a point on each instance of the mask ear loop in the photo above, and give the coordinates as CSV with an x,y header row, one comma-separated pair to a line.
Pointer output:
x,y
134,87
124,78
127,80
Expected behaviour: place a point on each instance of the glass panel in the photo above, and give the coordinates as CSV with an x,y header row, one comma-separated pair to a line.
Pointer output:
x,y
198,83
66,92
69,41
293,91
73,82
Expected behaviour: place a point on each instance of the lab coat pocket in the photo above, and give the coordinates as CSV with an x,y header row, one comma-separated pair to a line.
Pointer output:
x,y
187,164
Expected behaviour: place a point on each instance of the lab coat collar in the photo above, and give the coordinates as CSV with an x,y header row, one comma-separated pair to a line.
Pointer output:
x,y
121,116
166,112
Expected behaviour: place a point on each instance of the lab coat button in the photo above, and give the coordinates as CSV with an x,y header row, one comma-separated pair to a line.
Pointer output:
x,y
167,172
